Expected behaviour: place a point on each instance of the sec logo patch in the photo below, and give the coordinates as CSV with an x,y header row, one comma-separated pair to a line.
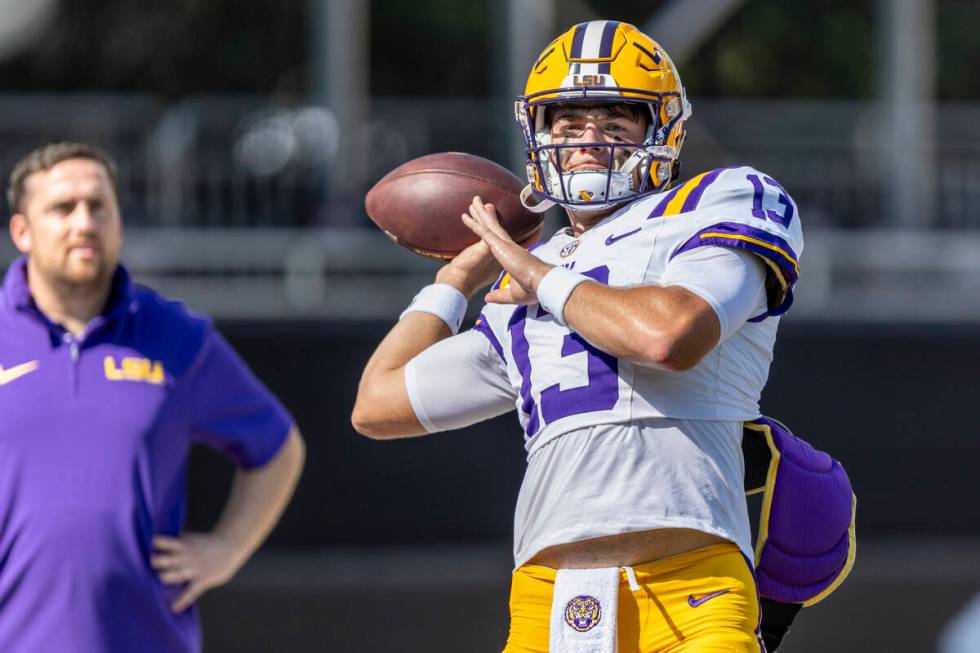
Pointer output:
x,y
568,249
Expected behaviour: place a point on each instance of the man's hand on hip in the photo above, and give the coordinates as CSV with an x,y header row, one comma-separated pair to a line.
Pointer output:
x,y
199,560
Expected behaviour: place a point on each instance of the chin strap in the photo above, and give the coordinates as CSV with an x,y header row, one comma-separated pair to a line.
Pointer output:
x,y
541,204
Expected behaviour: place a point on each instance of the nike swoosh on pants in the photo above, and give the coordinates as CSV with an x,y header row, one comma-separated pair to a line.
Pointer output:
x,y
693,602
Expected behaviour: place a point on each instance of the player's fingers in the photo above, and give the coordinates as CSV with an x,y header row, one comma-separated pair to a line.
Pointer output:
x,y
478,205
480,229
478,213
503,296
487,214
475,225
499,296
512,294
483,208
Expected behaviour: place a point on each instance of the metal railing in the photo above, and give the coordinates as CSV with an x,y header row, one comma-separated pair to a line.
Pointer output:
x,y
222,162
227,203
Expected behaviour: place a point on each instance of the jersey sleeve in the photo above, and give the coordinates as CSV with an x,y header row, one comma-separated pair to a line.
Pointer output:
x,y
731,281
231,410
744,209
459,381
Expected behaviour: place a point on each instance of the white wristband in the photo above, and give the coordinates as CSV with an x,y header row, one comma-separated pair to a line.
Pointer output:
x,y
554,289
443,301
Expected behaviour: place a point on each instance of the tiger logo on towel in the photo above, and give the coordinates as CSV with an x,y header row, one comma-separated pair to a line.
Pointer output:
x,y
583,613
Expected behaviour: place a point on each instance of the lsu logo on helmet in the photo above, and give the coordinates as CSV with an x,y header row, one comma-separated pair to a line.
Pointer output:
x,y
602,61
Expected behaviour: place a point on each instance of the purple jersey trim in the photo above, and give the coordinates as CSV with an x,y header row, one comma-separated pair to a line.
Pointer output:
x,y
695,196
759,242
483,327
521,350
500,279
659,209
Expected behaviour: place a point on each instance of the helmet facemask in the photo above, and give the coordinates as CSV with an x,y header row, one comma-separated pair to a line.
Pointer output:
x,y
596,189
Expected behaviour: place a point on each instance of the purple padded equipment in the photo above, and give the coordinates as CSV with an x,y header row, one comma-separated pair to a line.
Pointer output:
x,y
806,543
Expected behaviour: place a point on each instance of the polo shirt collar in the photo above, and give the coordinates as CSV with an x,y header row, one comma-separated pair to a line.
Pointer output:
x,y
17,291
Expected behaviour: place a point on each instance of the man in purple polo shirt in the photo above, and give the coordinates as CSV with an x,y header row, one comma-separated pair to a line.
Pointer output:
x,y
104,386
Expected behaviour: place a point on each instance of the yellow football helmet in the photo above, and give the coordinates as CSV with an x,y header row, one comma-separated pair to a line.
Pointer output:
x,y
602,61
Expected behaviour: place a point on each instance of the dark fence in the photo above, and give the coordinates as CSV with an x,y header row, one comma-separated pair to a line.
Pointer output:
x,y
898,405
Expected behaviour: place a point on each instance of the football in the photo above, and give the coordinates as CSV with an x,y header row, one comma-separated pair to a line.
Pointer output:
x,y
419,203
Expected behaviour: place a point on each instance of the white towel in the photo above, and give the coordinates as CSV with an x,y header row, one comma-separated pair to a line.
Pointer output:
x,y
583,610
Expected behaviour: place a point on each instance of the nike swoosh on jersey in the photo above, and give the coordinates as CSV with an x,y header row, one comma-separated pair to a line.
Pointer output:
x,y
693,602
17,371
610,239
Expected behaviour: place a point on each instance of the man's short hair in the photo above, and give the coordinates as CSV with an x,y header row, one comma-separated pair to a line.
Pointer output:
x,y
48,156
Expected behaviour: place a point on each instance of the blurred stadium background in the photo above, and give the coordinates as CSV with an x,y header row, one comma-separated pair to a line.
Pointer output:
x,y
247,133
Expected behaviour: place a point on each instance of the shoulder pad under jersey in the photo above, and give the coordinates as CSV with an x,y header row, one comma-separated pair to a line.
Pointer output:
x,y
746,209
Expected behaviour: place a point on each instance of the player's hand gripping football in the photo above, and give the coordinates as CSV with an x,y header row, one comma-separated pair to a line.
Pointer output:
x,y
472,269
525,269
200,561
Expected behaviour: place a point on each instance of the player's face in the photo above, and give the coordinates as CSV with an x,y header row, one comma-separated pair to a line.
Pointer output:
x,y
70,226
597,124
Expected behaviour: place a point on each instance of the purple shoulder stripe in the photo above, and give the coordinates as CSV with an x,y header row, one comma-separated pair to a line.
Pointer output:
x,y
659,209
483,327
762,243
695,196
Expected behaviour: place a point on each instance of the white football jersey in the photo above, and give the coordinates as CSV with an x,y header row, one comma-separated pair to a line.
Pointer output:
x,y
564,383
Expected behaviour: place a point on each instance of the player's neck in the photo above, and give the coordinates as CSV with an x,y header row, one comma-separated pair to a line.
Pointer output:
x,y
582,221
71,306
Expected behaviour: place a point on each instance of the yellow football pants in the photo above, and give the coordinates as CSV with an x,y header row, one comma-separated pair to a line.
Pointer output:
x,y
703,600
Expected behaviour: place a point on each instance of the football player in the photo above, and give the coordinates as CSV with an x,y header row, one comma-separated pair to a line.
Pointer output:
x,y
634,344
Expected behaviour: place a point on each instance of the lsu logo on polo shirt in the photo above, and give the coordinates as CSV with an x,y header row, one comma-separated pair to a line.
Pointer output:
x,y
134,368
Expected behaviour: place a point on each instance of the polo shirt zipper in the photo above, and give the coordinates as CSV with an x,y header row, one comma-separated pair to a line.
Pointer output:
x,y
73,352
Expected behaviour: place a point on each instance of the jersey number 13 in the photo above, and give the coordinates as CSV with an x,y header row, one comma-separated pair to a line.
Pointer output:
x,y
601,392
